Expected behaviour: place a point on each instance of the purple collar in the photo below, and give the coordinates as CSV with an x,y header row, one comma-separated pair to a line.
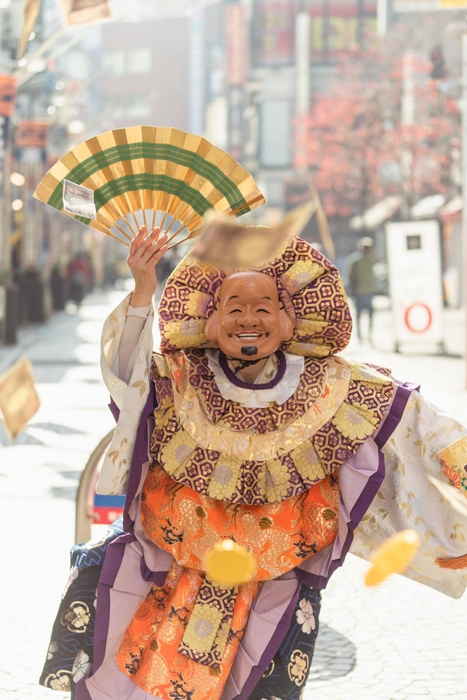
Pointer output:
x,y
234,379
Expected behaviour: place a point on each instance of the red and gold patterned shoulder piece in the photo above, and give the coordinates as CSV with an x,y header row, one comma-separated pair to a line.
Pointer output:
x,y
244,456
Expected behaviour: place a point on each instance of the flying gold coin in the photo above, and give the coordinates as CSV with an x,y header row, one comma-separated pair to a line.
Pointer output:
x,y
229,564
392,557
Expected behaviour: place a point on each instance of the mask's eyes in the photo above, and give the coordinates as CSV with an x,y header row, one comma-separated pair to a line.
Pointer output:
x,y
263,311
235,311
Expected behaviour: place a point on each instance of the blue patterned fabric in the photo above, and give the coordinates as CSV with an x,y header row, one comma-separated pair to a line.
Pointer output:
x,y
70,652
287,674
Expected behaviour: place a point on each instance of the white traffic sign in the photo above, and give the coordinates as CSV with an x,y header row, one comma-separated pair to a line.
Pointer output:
x,y
415,281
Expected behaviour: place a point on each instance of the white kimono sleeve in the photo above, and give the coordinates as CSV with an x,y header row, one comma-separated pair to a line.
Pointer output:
x,y
407,499
130,396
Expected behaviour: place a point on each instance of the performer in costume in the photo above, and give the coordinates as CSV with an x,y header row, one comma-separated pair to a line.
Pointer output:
x,y
248,426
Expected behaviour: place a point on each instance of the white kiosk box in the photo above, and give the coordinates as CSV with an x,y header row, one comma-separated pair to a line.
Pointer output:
x,y
415,283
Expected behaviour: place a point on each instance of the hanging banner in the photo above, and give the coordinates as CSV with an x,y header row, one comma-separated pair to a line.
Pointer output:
x,y
272,41
32,134
236,44
235,123
7,95
415,281
86,11
7,104
31,13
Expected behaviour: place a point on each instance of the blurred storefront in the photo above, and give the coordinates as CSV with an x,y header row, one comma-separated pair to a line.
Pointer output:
x,y
243,73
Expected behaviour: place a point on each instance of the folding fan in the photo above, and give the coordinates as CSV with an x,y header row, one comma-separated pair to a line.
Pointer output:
x,y
170,176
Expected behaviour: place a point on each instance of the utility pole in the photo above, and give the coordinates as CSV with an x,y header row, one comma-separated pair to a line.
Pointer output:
x,y
302,71
382,17
302,61
407,119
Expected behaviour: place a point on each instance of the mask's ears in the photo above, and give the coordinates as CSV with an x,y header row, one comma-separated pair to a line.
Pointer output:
x,y
287,326
211,328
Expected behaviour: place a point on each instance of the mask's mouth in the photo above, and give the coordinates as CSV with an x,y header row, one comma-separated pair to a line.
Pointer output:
x,y
252,335
249,350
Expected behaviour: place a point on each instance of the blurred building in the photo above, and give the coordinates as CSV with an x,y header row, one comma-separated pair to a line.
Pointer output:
x,y
145,73
296,48
242,73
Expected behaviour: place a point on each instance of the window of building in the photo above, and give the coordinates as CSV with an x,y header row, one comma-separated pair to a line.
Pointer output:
x,y
114,108
276,134
113,62
138,106
139,61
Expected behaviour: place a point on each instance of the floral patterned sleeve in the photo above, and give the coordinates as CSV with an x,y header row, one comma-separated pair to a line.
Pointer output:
x,y
426,442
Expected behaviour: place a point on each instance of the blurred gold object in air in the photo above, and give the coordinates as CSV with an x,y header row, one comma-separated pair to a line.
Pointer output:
x,y
227,244
19,400
392,557
322,221
31,13
455,498
229,564
86,11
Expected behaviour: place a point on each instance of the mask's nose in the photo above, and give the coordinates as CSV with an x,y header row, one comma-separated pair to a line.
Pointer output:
x,y
249,318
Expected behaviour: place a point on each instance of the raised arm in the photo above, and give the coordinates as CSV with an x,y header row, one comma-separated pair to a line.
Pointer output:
x,y
145,253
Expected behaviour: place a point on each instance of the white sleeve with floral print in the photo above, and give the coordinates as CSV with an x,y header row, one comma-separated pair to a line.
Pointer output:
x,y
407,499
130,397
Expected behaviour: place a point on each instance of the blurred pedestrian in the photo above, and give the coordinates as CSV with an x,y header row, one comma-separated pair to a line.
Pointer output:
x,y
80,278
361,281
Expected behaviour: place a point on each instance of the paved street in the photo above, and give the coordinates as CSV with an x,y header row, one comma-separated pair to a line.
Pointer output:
x,y
397,642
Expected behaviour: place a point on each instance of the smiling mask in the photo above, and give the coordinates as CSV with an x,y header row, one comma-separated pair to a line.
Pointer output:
x,y
249,320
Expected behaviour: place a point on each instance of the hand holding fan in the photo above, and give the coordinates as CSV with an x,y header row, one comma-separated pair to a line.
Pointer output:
x,y
173,178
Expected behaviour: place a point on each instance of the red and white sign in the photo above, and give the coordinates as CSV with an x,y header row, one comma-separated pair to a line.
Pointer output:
x,y
418,317
415,280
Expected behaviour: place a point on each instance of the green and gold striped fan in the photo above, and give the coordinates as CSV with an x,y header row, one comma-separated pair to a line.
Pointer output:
x,y
170,177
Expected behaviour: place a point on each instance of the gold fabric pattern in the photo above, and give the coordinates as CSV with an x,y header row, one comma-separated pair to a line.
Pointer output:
x,y
453,459
202,628
248,445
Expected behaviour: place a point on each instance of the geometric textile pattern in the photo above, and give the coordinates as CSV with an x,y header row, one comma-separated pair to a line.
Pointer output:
x,y
308,284
209,625
263,455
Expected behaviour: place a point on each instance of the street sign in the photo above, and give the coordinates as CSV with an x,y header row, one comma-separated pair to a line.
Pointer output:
x,y
415,281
